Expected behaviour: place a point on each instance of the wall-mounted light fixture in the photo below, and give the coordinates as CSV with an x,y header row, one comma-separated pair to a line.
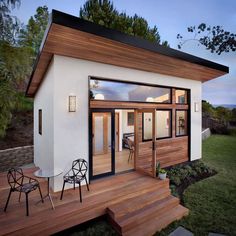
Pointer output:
x,y
196,106
72,103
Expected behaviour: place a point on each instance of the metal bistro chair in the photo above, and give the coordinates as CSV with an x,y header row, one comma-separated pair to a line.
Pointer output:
x,y
22,184
76,175
129,144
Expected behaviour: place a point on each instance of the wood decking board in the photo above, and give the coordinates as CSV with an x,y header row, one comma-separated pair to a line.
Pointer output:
x,y
111,191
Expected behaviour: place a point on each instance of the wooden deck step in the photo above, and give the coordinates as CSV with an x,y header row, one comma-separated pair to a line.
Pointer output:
x,y
140,216
159,222
117,211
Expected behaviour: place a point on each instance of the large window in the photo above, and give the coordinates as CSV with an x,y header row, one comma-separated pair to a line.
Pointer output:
x,y
181,122
181,96
40,121
121,91
163,124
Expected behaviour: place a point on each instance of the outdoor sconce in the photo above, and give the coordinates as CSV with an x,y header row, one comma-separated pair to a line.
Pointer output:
x,y
72,103
196,107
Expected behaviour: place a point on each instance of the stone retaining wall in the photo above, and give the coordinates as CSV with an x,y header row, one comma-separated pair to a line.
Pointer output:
x,y
15,157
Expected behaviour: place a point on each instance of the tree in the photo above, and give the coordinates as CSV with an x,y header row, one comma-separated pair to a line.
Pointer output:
x,y
103,12
33,34
214,38
208,109
9,25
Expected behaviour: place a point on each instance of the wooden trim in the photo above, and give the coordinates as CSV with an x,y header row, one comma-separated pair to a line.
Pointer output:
x,y
134,105
117,122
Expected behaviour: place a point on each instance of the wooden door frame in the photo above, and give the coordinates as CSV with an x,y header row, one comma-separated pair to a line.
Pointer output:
x,y
117,113
136,133
112,172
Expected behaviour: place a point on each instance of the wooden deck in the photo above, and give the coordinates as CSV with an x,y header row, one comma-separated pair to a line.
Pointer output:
x,y
136,205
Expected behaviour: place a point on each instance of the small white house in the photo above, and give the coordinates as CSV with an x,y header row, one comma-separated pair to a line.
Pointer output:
x,y
120,102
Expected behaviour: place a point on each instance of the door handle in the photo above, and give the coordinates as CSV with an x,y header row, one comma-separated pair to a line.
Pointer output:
x,y
153,145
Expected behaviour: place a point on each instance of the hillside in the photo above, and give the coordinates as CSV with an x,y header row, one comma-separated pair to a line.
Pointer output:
x,y
20,131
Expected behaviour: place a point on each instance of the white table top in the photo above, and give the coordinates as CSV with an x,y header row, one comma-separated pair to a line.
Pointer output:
x,y
47,173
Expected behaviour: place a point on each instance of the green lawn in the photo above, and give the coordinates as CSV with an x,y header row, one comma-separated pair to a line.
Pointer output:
x,y
212,202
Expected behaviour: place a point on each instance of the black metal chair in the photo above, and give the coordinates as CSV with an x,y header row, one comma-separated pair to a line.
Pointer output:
x,y
22,184
76,175
129,144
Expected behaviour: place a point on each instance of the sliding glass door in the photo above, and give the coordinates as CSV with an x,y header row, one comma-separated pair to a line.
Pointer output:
x,y
102,143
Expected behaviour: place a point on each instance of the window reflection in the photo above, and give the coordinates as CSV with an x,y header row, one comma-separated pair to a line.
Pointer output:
x,y
121,91
181,96
147,126
181,123
163,126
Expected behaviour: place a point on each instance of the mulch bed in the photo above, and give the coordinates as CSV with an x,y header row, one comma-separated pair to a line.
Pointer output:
x,y
191,180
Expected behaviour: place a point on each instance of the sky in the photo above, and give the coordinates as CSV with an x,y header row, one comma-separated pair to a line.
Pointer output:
x,y
171,17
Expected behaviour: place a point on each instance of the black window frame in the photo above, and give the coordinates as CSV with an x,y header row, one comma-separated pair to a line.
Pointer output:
x,y
40,121
171,126
187,132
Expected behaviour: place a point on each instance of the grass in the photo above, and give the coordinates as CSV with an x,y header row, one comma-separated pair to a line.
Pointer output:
x,y
212,202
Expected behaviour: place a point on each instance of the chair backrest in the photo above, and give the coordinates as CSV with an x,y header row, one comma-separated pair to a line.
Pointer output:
x,y
15,177
79,167
128,143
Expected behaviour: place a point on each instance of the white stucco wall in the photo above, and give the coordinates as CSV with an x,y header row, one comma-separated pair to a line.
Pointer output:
x,y
70,130
43,144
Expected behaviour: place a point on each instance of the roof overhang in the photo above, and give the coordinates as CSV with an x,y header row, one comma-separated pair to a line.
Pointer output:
x,y
71,36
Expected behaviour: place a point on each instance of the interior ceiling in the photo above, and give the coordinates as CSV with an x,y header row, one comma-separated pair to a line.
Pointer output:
x,y
65,41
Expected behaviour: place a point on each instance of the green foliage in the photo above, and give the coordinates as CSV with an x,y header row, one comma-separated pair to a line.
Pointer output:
x,y
103,12
207,108
17,54
178,174
9,25
215,39
212,202
162,171
15,64
33,34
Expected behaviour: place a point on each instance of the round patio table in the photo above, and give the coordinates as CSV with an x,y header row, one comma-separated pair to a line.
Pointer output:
x,y
48,174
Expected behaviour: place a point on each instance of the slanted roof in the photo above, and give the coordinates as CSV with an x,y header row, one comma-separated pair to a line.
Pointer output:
x,y
71,36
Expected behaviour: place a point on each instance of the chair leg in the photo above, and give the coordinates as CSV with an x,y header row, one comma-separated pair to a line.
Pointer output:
x,y
19,197
74,185
9,195
129,156
86,183
80,195
27,204
41,194
62,191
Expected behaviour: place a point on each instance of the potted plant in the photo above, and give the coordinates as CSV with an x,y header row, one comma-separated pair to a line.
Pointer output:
x,y
161,173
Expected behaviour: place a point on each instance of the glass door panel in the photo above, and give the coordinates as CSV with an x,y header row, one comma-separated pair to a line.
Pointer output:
x,y
102,143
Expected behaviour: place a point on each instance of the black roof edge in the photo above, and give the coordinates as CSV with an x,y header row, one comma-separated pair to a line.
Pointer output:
x,y
74,22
